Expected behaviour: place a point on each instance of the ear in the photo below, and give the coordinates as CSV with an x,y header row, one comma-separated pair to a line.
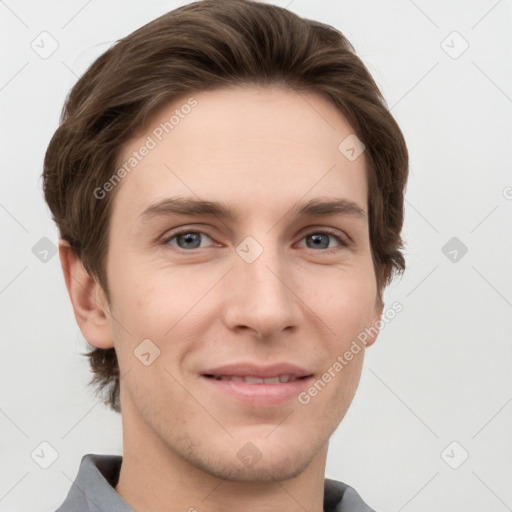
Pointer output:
x,y
89,301
374,328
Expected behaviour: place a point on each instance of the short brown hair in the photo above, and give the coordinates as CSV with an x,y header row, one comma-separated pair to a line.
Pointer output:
x,y
202,46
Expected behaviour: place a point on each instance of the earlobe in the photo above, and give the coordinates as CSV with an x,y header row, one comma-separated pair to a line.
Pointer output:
x,y
374,329
88,299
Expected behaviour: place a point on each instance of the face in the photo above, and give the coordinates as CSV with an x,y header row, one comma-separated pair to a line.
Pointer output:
x,y
270,290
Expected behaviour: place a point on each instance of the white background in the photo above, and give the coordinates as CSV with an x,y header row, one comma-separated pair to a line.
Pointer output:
x,y
439,372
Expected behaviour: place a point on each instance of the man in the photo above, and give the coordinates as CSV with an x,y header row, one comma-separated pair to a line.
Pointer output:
x,y
228,185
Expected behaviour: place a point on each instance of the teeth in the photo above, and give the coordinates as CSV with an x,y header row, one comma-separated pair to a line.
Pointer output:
x,y
254,380
258,380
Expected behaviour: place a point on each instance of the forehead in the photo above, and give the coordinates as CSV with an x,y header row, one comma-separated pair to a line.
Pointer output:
x,y
256,146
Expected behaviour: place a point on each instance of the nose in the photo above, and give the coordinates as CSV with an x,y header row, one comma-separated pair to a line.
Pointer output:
x,y
263,295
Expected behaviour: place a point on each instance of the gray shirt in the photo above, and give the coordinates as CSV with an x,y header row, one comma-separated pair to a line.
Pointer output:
x,y
94,490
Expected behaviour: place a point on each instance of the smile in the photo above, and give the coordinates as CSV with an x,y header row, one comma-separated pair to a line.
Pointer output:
x,y
256,380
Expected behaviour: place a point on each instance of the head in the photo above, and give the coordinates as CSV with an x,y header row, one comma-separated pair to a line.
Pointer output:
x,y
247,105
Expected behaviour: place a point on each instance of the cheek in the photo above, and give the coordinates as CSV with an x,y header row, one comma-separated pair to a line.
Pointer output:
x,y
346,301
143,301
160,306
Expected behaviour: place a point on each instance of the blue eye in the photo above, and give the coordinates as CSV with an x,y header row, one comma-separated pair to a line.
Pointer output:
x,y
192,240
188,239
319,239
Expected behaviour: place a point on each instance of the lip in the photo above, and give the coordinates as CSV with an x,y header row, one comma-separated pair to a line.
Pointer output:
x,y
258,395
258,370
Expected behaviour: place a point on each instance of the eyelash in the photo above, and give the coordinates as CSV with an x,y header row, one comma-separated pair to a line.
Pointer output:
x,y
324,231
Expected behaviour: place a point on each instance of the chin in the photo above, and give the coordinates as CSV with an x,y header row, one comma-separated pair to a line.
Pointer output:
x,y
266,470
259,455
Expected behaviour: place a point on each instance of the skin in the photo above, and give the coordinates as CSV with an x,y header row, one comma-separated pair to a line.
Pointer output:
x,y
258,150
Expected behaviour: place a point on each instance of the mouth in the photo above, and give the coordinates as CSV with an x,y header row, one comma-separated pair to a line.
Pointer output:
x,y
252,379
257,386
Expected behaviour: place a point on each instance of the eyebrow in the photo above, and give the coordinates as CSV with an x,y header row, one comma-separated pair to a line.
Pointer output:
x,y
191,206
